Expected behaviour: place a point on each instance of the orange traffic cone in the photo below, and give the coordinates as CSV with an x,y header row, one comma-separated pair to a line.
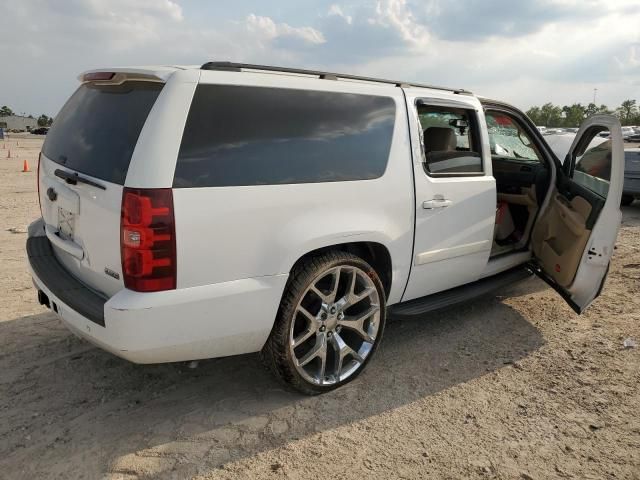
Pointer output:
x,y
25,166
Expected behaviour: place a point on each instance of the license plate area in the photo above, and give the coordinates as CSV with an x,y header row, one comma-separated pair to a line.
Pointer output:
x,y
66,223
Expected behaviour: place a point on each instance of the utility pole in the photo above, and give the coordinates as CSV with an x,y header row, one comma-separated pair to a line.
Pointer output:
x,y
595,91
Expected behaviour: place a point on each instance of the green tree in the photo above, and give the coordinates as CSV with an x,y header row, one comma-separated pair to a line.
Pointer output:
x,y
574,115
534,114
627,111
44,120
5,111
604,109
550,115
593,109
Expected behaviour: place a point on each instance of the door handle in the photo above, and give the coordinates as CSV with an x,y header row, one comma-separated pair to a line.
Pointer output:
x,y
436,203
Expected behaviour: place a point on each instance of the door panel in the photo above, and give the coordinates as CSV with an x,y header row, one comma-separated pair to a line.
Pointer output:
x,y
454,211
574,237
560,236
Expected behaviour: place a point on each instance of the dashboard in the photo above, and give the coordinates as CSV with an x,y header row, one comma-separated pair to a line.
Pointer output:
x,y
513,175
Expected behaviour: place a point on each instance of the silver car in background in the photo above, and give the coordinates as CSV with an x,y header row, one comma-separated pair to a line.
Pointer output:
x,y
631,189
560,144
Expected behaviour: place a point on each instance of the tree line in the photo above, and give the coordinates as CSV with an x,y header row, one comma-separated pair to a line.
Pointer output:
x,y
550,115
43,120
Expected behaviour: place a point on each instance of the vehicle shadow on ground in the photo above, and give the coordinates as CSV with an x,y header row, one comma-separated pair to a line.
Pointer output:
x,y
104,414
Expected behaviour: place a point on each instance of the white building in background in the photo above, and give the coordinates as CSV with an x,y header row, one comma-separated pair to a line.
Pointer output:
x,y
16,122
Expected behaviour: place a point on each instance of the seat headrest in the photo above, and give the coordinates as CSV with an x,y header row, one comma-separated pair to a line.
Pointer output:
x,y
439,139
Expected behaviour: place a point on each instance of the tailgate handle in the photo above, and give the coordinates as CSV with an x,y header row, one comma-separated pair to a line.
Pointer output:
x,y
72,248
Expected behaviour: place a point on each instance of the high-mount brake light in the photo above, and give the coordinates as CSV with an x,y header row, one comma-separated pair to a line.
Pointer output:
x,y
148,239
98,76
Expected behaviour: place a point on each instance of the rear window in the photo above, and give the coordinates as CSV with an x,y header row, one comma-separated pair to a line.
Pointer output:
x,y
238,135
96,131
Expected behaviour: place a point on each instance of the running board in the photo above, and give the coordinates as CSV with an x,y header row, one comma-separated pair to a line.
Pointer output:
x,y
456,295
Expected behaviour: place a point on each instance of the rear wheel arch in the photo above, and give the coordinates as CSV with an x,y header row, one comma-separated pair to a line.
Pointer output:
x,y
307,362
374,253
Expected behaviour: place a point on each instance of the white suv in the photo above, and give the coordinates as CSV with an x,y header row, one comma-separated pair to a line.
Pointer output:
x,y
198,212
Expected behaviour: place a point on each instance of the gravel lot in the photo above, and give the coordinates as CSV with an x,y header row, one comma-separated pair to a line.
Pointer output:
x,y
510,387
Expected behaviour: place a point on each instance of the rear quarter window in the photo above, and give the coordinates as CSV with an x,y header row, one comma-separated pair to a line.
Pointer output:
x,y
237,135
96,131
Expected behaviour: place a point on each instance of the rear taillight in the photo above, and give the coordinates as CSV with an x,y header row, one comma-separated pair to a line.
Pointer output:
x,y
148,239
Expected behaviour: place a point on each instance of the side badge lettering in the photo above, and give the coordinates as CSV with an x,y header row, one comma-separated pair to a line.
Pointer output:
x,y
111,273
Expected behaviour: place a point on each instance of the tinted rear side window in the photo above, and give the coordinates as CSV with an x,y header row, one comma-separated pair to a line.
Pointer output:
x,y
98,128
238,135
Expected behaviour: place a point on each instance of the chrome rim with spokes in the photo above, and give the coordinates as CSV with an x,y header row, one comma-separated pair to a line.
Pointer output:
x,y
335,325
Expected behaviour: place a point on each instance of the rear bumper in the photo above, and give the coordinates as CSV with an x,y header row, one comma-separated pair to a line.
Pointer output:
x,y
209,321
45,266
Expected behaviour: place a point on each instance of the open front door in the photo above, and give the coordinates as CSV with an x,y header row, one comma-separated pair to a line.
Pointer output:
x,y
574,235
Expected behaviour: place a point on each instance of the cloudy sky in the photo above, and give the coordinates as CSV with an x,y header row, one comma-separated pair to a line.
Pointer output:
x,y
524,52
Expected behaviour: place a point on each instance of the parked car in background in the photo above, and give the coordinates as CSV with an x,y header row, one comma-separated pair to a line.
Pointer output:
x,y
553,131
249,208
40,131
560,145
627,132
631,188
635,137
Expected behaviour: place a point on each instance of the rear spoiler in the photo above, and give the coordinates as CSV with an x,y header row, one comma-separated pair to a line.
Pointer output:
x,y
117,76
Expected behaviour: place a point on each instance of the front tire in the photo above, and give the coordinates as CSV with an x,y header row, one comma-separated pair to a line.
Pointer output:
x,y
626,200
329,324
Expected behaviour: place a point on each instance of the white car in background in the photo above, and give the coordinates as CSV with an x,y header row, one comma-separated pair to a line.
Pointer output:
x,y
628,132
199,212
561,143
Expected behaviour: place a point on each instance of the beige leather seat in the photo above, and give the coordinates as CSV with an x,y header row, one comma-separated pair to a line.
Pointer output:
x,y
439,148
439,139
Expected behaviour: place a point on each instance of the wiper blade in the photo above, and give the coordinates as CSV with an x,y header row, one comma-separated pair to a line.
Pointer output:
x,y
74,178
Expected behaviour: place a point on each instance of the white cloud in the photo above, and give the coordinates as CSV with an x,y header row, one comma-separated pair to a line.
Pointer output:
x,y
269,30
522,52
336,10
396,15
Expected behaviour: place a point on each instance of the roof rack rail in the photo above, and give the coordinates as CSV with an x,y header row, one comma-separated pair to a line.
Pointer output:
x,y
238,67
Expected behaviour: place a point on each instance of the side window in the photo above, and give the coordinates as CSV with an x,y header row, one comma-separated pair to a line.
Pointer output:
x,y
450,140
591,161
508,139
239,135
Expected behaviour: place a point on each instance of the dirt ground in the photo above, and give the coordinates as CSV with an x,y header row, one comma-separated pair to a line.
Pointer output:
x,y
511,387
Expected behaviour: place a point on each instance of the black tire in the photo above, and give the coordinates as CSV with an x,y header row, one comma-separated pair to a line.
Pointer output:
x,y
276,354
626,200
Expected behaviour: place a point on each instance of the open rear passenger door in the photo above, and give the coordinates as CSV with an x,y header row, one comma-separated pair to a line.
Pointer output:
x,y
574,236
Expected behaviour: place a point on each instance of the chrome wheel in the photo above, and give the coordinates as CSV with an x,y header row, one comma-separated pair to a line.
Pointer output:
x,y
335,325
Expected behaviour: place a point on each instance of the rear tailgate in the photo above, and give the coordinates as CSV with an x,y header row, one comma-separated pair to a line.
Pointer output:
x,y
93,137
